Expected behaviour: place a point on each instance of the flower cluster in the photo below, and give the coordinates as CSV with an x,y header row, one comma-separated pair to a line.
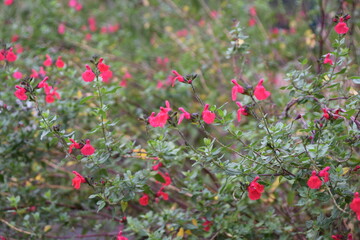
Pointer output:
x,y
314,181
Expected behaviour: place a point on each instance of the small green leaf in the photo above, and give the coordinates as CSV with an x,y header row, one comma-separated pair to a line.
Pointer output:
x,y
85,99
159,178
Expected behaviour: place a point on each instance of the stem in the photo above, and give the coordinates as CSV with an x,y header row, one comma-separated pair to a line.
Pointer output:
x,y
15,228
335,65
101,115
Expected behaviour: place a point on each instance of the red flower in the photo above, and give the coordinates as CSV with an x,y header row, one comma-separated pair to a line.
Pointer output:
x,y
106,76
314,181
236,89
59,62
102,66
166,177
337,237
51,93
252,22
42,71
120,236
20,93
2,55
326,113
207,224
92,24
325,174
157,166
327,59
207,115
355,205
87,149
48,61
74,145
161,118
162,194
260,92
183,115
144,200
240,111
34,73
17,75
10,56
61,28
76,182
341,27
88,75
43,83
177,77
8,2
252,11
255,189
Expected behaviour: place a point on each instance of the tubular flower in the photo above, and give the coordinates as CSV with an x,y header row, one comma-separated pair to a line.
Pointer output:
x,y
355,205
166,177
255,189
20,93
10,56
341,27
120,236
260,92
161,118
144,200
314,181
88,75
183,115
102,66
162,194
325,174
326,113
50,96
87,149
48,61
59,62
241,111
177,77
74,145
43,83
207,225
106,76
236,89
77,180
207,115
327,59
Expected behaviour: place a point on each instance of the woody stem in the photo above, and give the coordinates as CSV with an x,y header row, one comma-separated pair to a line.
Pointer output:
x,y
101,115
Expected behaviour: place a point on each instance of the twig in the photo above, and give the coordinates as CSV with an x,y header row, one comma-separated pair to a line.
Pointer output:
x,y
15,228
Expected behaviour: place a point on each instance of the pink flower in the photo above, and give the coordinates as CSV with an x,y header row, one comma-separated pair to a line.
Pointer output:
x,y
20,93
325,174
236,89
255,189
92,24
42,83
177,77
314,181
327,59
42,71
161,118
106,76
102,66
183,115
59,62
88,75
34,73
157,166
8,2
120,236
341,27
48,61
74,145
260,92
17,75
77,180
252,11
51,94
207,115
252,22
241,111
87,149
10,56
14,38
144,200
61,28
355,205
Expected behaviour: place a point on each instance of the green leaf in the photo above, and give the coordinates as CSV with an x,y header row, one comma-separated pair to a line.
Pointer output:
x,y
159,178
85,99
356,79
101,204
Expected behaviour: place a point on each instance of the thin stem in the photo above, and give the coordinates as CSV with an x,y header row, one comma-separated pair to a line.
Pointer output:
x,y
196,95
101,115
15,228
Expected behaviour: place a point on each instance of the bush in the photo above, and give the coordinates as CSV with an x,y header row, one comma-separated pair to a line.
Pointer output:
x,y
179,120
